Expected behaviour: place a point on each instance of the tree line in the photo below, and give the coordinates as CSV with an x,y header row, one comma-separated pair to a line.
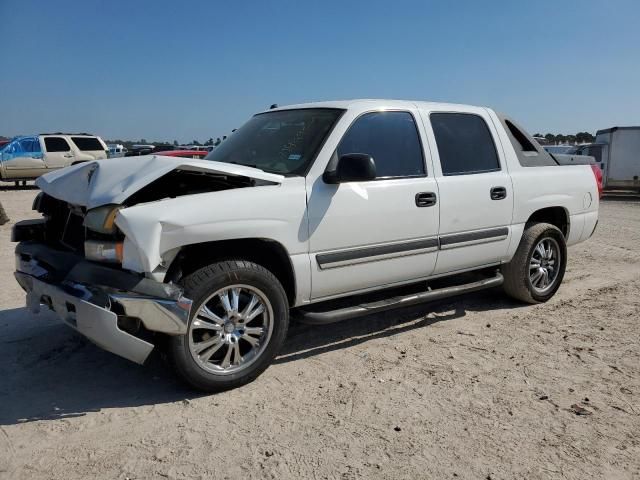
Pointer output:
x,y
580,137
143,141
552,139
175,143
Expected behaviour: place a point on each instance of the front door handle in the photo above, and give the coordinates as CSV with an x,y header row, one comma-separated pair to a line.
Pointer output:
x,y
426,199
498,193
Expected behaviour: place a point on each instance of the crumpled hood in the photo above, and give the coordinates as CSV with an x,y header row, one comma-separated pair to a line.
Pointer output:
x,y
112,181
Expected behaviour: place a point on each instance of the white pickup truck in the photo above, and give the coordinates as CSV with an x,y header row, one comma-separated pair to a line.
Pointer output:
x,y
301,206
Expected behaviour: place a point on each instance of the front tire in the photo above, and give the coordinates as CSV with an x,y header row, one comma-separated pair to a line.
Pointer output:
x,y
535,272
238,323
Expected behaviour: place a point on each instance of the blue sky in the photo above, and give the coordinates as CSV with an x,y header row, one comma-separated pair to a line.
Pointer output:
x,y
196,69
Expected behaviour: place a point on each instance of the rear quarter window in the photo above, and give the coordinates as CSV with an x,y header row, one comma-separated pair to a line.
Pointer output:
x,y
87,144
528,151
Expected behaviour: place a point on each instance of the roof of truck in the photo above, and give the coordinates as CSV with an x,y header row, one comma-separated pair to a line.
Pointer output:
x,y
84,134
355,103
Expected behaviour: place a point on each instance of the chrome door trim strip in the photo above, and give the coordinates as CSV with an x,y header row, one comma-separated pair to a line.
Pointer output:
x,y
381,252
456,240
354,256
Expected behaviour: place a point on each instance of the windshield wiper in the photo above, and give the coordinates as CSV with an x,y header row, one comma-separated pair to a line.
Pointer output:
x,y
246,165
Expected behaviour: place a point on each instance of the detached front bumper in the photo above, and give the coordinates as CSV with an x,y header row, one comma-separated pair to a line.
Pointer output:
x,y
98,301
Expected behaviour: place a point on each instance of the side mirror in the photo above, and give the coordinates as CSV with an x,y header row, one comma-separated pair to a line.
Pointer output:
x,y
352,167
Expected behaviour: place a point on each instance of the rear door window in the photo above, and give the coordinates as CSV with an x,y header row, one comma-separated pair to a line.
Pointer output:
x,y
87,144
56,144
464,143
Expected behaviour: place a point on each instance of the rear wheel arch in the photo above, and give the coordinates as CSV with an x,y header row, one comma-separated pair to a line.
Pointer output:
x,y
267,253
524,269
557,216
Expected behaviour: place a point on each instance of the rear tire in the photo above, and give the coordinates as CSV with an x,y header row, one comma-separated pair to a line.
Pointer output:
x,y
535,272
238,323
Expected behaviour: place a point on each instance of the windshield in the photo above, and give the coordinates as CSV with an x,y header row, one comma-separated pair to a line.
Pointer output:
x,y
284,141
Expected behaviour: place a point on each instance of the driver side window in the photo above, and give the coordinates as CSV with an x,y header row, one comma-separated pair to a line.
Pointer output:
x,y
13,148
30,145
391,139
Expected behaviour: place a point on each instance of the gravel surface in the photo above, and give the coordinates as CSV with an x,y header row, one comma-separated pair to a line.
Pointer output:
x,y
476,387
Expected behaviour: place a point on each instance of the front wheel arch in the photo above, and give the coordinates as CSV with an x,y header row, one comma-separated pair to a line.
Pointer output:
x,y
267,253
192,354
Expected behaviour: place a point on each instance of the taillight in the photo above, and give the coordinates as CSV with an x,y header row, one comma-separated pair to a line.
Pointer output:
x,y
598,174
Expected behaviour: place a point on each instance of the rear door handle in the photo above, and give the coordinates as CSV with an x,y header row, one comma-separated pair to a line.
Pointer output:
x,y
498,193
426,199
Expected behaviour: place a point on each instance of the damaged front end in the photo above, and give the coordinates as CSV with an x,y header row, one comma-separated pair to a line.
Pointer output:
x,y
118,310
75,271
74,259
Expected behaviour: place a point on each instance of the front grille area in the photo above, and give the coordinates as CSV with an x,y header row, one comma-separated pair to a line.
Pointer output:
x,y
64,228
74,233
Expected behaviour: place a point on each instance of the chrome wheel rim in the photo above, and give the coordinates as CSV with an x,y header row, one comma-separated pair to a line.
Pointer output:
x,y
231,329
544,265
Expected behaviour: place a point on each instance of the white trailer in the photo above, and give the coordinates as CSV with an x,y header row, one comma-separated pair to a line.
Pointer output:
x,y
619,157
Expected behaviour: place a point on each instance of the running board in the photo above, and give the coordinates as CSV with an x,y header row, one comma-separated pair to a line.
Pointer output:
x,y
333,316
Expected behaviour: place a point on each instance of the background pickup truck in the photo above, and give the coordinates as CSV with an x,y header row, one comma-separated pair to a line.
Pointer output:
x,y
328,210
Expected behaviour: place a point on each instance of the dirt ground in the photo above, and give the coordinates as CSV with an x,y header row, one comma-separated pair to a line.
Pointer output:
x,y
477,387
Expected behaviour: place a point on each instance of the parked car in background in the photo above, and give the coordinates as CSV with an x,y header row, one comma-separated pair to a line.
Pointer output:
x,y
199,154
28,157
116,150
4,218
301,206
200,148
577,159
137,150
166,147
573,155
3,142
561,149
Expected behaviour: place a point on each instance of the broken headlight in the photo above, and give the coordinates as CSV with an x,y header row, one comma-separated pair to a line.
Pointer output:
x,y
102,219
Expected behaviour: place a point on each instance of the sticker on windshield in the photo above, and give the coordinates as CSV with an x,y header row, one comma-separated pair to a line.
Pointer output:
x,y
295,157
